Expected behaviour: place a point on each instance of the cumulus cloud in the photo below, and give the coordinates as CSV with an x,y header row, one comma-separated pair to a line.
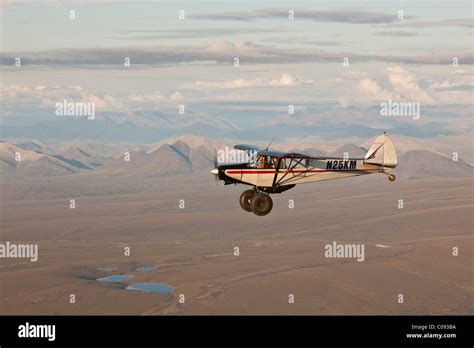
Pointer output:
x,y
239,83
9,92
285,80
401,84
367,92
105,102
177,97
406,84
371,88
156,97
47,96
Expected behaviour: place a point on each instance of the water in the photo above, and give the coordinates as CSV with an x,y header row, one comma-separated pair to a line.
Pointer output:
x,y
151,287
146,268
117,278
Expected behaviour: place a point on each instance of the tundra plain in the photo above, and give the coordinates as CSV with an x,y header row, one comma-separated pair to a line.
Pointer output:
x,y
408,251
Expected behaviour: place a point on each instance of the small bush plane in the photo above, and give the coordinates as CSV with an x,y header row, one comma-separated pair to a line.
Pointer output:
x,y
276,172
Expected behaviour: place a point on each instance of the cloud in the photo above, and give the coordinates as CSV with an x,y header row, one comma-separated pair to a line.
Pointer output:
x,y
222,52
239,83
371,88
458,22
396,33
367,92
183,33
285,80
47,96
157,97
177,97
42,96
455,97
290,80
338,16
9,92
354,74
461,81
406,84
105,102
446,86
400,84
454,90
236,48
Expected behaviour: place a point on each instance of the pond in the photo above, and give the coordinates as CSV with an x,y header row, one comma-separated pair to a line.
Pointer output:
x,y
151,287
116,278
146,268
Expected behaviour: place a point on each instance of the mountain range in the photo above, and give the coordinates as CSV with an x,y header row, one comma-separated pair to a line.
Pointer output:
x,y
178,156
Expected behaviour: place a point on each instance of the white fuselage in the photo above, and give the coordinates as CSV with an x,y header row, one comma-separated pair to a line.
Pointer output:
x,y
317,170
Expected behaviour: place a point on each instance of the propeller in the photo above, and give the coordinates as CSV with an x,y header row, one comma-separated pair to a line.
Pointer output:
x,y
215,171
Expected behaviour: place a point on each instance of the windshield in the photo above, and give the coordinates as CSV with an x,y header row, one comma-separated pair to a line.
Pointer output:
x,y
268,162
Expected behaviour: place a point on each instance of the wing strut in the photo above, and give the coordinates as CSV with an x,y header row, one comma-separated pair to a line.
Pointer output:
x,y
276,172
290,168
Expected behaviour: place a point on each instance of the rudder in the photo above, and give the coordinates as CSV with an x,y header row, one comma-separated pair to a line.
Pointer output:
x,y
382,152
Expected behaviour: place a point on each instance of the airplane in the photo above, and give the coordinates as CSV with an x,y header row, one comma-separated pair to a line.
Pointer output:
x,y
275,172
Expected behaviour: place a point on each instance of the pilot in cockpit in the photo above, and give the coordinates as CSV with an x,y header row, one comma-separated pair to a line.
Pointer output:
x,y
264,163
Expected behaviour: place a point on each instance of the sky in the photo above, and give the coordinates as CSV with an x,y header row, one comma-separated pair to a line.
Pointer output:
x,y
335,62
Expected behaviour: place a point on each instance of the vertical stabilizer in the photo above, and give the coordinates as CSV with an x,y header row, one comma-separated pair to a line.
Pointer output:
x,y
382,152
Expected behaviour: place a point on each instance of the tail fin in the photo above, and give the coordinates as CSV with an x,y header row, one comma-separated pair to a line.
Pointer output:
x,y
382,152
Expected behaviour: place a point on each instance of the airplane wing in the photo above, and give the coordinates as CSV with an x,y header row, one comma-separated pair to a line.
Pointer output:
x,y
296,155
279,154
247,148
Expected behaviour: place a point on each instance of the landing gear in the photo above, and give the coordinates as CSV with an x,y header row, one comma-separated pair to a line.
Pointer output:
x,y
261,204
257,202
391,177
245,199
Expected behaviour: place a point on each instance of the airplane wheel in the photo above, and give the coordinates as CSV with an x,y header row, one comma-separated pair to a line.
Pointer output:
x,y
245,199
392,177
261,204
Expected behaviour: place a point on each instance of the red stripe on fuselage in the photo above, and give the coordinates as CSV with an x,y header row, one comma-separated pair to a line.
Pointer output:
x,y
266,171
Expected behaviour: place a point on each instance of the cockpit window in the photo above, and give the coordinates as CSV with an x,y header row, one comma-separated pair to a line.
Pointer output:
x,y
269,162
264,162
282,163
